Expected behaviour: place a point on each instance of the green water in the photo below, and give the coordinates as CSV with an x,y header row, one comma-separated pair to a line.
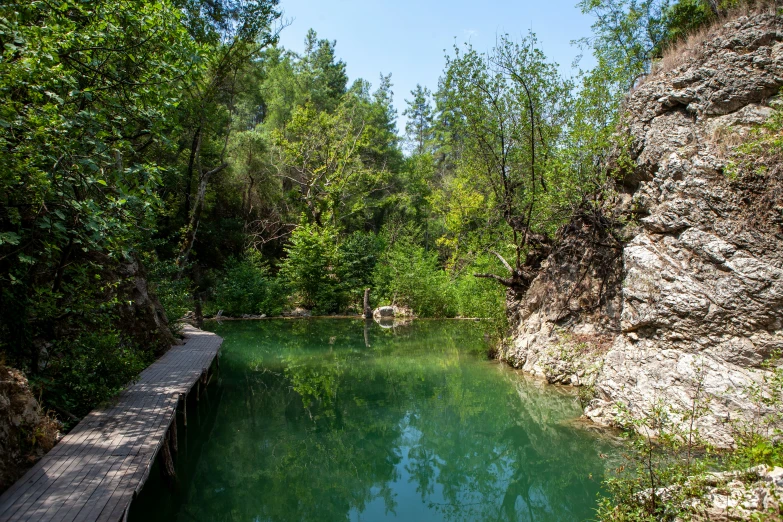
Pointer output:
x,y
322,420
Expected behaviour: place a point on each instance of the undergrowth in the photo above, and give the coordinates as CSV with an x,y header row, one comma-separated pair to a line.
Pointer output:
x,y
669,464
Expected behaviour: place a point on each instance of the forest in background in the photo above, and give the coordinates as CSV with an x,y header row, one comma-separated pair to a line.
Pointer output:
x,y
175,142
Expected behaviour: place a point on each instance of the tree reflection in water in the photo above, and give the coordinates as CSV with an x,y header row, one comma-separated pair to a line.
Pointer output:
x,y
314,425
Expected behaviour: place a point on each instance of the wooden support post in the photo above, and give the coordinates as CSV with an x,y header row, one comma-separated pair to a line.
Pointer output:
x,y
166,462
174,441
201,380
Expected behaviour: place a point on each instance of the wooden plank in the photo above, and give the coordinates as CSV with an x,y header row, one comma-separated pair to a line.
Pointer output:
x,y
102,496
81,455
94,471
126,488
91,479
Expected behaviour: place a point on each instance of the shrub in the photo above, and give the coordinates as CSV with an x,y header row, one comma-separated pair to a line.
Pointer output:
x,y
88,370
175,294
668,461
245,286
357,257
478,297
409,275
309,268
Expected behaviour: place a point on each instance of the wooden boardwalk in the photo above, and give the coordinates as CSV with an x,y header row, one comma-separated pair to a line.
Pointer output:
x,y
93,473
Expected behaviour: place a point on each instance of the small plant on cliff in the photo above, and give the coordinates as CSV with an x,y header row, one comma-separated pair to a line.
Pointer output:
x,y
758,436
666,462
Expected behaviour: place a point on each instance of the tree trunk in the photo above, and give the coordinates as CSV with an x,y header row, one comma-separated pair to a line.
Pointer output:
x,y
367,309
198,206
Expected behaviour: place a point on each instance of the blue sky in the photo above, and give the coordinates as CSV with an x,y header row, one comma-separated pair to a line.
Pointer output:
x,y
408,37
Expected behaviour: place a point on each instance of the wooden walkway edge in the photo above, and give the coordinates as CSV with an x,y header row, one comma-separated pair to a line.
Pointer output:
x,y
94,472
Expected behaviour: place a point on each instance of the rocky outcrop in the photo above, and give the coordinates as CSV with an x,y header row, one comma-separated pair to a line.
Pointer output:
x,y
571,313
26,433
142,317
695,300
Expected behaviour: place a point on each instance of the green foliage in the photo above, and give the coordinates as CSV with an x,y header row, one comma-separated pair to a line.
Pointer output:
x,y
309,267
627,36
175,294
321,154
685,17
477,297
758,434
507,113
96,97
357,257
245,286
482,298
668,460
84,86
420,126
409,275
89,370
662,469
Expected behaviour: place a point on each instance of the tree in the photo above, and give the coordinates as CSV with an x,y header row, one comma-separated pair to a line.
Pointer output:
x,y
310,266
318,156
244,32
418,128
88,93
511,107
324,77
629,35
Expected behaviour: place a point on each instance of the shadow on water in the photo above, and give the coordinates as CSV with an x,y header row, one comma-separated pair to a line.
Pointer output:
x,y
339,420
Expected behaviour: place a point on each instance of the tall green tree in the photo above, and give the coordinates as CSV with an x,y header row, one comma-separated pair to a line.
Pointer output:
x,y
419,127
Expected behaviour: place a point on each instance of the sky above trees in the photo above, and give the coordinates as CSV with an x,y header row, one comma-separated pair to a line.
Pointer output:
x,y
408,37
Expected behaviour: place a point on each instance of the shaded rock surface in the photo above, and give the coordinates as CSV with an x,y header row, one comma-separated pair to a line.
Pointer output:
x,y
142,317
694,298
26,433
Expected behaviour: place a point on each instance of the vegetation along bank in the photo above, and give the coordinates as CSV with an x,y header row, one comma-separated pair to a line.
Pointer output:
x,y
618,229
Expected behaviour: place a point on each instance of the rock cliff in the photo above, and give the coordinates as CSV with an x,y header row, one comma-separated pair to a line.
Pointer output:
x,y
686,296
26,433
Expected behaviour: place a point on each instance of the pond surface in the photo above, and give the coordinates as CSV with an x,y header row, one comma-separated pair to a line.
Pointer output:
x,y
326,420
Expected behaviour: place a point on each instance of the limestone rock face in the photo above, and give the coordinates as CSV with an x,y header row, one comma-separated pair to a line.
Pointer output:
x,y
699,289
571,313
25,432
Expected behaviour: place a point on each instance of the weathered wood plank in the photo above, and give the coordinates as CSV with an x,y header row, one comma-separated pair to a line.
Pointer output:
x,y
94,471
